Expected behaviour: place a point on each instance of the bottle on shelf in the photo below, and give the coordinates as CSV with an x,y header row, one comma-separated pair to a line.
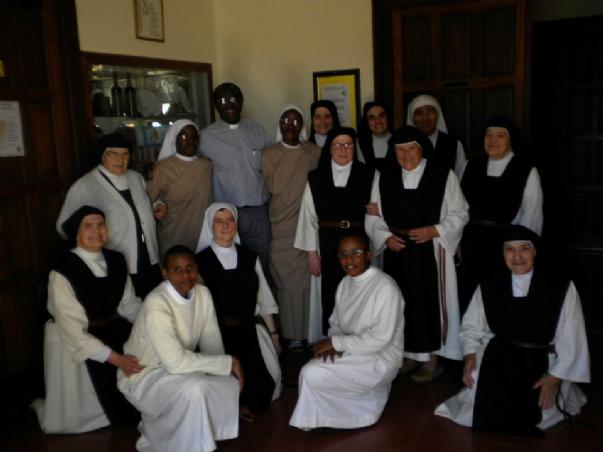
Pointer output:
x,y
130,98
117,97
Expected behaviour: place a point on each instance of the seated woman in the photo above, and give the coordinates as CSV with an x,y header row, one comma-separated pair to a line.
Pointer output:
x,y
121,194
90,296
524,343
186,393
234,276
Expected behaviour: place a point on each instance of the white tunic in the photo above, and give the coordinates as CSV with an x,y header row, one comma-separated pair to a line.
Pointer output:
x,y
94,190
71,404
571,362
187,399
367,325
454,214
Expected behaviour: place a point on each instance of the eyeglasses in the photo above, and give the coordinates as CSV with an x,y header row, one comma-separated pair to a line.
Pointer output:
x,y
192,137
287,121
340,146
354,252
228,100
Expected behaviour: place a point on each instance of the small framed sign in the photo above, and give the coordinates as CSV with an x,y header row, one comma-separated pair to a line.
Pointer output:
x,y
149,20
343,88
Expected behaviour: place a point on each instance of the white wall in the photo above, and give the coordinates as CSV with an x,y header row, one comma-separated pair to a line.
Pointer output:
x,y
268,47
271,47
108,26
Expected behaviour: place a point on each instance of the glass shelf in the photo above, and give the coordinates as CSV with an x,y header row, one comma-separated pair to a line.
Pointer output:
x,y
165,91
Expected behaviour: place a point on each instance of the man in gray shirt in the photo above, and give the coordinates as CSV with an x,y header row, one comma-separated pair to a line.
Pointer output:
x,y
235,147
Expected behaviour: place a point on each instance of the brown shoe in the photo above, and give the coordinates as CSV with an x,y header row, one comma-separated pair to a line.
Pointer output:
x,y
426,374
408,367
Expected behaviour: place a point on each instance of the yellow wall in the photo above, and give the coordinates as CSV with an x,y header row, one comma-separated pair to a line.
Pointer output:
x,y
271,47
268,47
108,26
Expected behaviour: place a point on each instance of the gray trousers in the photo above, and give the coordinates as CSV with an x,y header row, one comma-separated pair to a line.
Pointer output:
x,y
254,229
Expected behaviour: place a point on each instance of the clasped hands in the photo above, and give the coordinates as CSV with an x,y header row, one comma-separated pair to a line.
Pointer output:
x,y
417,235
324,349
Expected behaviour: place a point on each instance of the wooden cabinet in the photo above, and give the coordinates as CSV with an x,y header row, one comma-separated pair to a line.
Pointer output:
x,y
471,55
40,61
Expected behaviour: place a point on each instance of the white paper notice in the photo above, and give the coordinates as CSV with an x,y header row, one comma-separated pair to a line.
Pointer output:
x,y
11,130
340,97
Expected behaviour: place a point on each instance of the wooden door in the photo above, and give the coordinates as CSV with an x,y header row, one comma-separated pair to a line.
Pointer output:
x,y
40,60
471,55
568,141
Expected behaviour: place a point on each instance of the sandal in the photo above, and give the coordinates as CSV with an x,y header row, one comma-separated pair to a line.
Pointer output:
x,y
427,375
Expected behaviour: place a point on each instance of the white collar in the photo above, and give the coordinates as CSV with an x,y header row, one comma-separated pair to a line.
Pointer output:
x,y
186,158
288,146
368,273
176,295
340,168
120,181
233,126
385,137
420,167
92,255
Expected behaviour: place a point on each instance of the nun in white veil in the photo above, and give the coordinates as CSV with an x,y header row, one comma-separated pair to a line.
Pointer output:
x,y
182,180
240,292
425,113
285,167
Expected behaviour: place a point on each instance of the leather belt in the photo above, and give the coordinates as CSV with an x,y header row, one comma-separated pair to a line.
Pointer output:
x,y
101,322
531,345
400,231
487,223
343,224
236,321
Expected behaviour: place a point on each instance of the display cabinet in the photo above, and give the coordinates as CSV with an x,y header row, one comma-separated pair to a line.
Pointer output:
x,y
142,97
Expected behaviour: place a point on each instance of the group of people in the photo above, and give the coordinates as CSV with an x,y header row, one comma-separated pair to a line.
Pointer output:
x,y
368,245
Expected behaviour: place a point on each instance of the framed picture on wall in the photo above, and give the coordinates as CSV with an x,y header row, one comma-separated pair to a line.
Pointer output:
x,y
343,88
148,16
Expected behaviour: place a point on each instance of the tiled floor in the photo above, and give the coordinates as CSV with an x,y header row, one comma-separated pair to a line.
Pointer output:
x,y
407,425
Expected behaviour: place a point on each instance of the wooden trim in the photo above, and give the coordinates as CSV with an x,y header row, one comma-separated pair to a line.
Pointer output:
x,y
127,60
398,47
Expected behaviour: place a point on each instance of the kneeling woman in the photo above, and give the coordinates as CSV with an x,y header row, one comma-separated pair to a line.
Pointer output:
x,y
92,302
524,344
235,279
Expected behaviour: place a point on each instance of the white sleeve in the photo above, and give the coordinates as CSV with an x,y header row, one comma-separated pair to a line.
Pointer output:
x,y
475,332
306,235
385,313
572,361
71,321
454,214
461,159
130,304
375,226
266,304
530,210
163,336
